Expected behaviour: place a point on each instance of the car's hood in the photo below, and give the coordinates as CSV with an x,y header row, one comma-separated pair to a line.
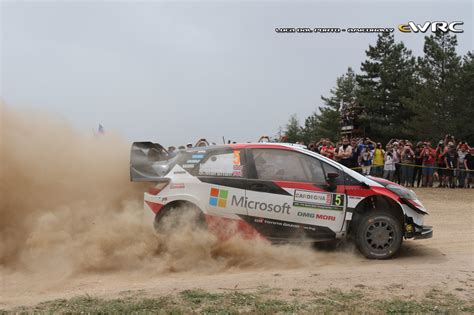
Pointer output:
x,y
408,196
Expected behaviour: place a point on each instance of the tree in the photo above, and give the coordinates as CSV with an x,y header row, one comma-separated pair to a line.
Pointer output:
x,y
464,101
387,88
327,123
436,109
344,93
401,96
293,130
322,125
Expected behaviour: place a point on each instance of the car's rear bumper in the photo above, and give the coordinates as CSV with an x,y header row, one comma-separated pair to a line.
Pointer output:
x,y
425,231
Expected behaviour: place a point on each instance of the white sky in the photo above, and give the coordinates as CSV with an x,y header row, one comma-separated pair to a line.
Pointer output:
x,y
174,72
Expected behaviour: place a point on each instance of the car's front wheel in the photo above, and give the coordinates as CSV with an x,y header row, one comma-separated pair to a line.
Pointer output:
x,y
378,235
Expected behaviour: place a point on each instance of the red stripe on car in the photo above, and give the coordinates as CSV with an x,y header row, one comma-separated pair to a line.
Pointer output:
x,y
155,207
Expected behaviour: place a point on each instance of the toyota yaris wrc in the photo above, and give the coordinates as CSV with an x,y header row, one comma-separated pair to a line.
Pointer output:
x,y
279,192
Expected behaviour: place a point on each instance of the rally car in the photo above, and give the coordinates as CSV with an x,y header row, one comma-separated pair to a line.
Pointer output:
x,y
280,192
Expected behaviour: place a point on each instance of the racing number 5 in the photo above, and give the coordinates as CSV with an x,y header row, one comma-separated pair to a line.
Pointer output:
x,y
338,200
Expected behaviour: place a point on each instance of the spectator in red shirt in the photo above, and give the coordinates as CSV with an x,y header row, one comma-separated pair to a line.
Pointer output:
x,y
327,149
429,156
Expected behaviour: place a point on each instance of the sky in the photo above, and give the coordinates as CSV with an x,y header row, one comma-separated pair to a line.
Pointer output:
x,y
174,72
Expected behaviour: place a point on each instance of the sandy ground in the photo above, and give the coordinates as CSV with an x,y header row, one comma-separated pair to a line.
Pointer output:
x,y
444,262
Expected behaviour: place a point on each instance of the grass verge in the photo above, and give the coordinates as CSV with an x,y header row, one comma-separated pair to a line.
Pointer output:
x,y
261,301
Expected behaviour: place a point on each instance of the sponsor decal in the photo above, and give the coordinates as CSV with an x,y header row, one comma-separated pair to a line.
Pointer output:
x,y
177,186
237,173
284,224
306,214
179,172
218,197
244,202
197,156
325,217
189,165
280,223
237,170
316,216
318,200
236,157
193,161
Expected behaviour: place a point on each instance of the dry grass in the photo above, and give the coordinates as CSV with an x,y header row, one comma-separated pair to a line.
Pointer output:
x,y
262,301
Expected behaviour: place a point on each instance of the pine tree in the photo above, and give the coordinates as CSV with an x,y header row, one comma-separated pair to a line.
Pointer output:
x,y
344,93
322,125
387,88
327,123
464,102
436,112
293,130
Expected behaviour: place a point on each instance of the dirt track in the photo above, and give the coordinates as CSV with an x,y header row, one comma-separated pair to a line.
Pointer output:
x,y
444,262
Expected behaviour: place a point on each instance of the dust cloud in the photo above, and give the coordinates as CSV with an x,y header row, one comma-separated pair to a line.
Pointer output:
x,y
67,206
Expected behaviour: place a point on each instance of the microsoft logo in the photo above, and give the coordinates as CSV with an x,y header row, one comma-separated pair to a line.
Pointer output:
x,y
218,197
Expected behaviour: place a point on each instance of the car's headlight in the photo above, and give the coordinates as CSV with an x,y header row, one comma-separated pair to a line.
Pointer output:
x,y
402,192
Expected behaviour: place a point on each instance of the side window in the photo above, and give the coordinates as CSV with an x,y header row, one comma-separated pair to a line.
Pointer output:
x,y
274,164
224,163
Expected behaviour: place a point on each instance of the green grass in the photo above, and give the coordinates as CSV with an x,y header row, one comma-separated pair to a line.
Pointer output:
x,y
264,300
89,304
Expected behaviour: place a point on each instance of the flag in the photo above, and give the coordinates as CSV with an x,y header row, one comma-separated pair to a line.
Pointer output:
x,y
101,130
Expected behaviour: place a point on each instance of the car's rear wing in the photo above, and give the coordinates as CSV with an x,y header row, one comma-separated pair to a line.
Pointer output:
x,y
149,162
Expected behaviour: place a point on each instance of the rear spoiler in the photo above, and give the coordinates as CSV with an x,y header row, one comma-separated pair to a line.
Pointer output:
x,y
149,162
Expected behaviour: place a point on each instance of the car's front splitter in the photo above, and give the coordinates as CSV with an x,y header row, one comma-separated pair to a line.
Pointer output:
x,y
420,232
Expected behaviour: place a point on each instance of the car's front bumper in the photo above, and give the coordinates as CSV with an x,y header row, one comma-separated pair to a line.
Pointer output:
x,y
418,232
425,231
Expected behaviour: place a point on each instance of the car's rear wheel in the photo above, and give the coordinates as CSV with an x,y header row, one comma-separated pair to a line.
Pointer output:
x,y
178,216
378,235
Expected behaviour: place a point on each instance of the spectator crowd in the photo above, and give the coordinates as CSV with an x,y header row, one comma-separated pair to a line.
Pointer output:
x,y
450,163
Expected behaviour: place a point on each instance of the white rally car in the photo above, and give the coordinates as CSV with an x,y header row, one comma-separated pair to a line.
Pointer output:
x,y
279,192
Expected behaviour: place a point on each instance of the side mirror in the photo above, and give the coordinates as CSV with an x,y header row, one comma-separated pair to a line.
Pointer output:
x,y
332,180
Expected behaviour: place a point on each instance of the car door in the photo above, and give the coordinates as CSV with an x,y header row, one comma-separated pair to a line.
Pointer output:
x,y
223,175
289,195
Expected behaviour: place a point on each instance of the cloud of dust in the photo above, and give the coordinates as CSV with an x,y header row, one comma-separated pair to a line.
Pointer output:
x,y
65,197
67,205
